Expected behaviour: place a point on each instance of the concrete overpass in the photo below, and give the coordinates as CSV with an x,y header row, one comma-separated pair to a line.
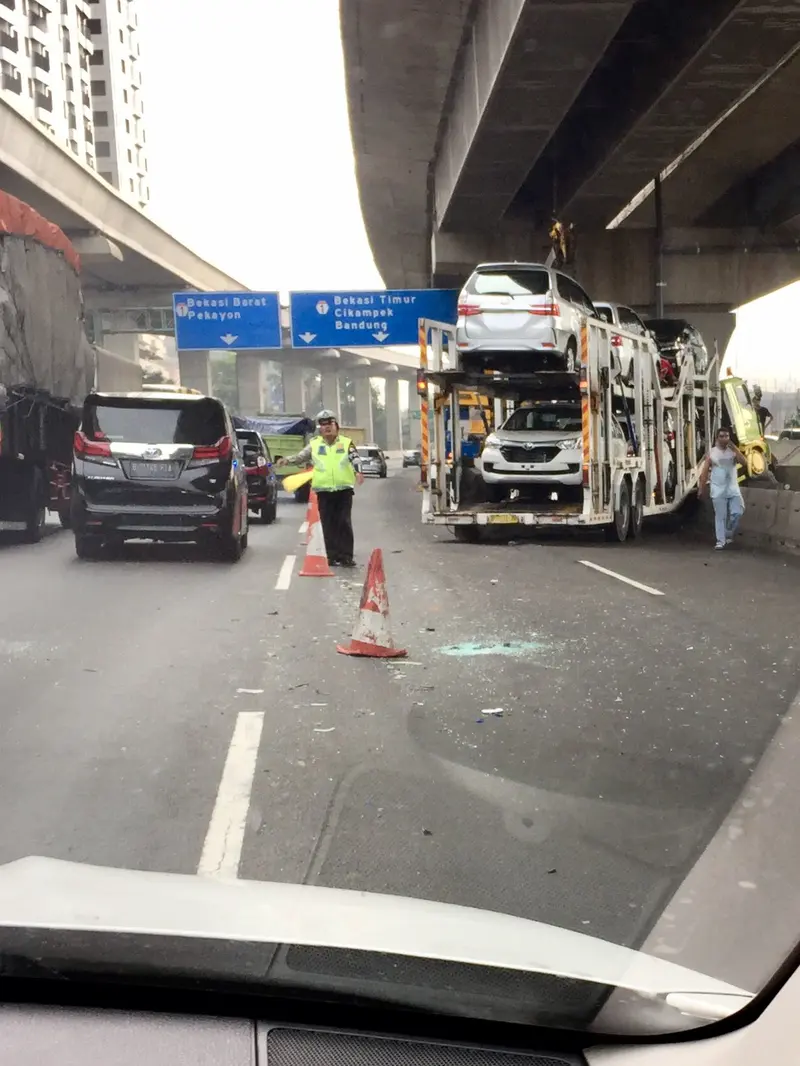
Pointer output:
x,y
475,121
127,259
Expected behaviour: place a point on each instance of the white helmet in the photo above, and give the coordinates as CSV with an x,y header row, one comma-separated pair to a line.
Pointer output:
x,y
326,416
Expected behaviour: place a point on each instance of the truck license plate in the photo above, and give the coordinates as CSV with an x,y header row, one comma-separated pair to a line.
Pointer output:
x,y
503,519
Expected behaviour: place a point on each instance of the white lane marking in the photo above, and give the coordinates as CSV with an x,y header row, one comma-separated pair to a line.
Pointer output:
x,y
303,528
222,849
285,576
621,577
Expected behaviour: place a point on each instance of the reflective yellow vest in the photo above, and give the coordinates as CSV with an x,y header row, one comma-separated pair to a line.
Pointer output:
x,y
332,467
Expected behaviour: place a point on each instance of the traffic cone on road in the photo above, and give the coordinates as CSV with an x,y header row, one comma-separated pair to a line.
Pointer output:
x,y
313,503
316,561
372,635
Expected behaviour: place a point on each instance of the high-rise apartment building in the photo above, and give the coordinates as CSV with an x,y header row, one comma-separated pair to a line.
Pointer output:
x,y
116,89
45,53
72,66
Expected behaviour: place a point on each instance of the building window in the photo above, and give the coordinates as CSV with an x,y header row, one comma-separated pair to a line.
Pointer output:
x,y
101,118
125,95
132,186
106,177
95,27
121,37
97,58
122,64
98,88
103,149
127,125
130,156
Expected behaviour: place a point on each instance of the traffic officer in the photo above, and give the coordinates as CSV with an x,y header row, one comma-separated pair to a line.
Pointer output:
x,y
337,469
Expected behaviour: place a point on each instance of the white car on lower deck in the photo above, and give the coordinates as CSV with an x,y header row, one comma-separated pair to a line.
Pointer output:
x,y
540,444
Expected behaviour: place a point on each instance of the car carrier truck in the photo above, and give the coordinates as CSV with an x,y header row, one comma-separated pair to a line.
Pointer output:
x,y
666,430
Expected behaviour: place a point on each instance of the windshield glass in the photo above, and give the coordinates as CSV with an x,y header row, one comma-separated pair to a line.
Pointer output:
x,y
553,417
343,549
519,281
195,422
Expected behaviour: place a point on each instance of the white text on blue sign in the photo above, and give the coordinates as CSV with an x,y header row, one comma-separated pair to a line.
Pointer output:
x,y
217,309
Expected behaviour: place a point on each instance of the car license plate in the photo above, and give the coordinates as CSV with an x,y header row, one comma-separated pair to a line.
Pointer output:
x,y
144,471
503,519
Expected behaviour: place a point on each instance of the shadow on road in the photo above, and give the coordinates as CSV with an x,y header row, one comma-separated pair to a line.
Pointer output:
x,y
14,540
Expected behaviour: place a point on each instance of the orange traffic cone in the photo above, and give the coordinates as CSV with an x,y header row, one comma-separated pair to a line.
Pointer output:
x,y
372,635
312,503
316,561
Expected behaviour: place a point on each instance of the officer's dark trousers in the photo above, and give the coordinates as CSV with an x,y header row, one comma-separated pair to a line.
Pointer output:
x,y
335,512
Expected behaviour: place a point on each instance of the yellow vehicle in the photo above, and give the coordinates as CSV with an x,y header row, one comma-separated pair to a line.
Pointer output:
x,y
738,413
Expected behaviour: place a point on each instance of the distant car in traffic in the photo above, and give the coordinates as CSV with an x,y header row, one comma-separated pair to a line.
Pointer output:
x,y
525,314
412,458
619,315
157,466
675,338
262,482
373,461
539,444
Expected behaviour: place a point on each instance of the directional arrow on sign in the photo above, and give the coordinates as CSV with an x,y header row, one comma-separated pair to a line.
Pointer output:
x,y
229,339
380,337
307,337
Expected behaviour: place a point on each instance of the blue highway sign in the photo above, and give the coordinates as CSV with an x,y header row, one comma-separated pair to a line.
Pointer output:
x,y
367,319
239,321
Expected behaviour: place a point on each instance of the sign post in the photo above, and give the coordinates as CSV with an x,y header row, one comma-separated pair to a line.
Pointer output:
x,y
239,321
367,319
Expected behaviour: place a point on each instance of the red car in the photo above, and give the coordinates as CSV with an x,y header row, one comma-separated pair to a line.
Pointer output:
x,y
262,482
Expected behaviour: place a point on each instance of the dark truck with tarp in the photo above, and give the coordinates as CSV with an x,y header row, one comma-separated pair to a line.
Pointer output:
x,y
47,366
36,434
284,435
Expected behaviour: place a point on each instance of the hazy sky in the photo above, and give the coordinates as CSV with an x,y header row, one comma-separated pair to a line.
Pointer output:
x,y
250,156
251,161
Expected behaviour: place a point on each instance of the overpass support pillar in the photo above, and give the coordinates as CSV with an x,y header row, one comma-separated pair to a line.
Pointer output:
x,y
125,345
714,326
250,378
363,390
294,393
394,427
195,371
331,397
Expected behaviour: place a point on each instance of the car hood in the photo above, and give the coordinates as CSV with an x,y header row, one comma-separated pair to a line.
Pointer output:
x,y
535,436
43,893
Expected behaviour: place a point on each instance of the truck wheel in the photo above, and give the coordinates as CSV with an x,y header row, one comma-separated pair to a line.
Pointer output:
x,y
36,524
37,511
637,510
618,530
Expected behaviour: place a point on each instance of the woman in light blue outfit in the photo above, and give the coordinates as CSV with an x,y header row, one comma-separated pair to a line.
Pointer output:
x,y
719,468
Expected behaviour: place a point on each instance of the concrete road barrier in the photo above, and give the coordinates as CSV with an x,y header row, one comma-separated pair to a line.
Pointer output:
x,y
771,519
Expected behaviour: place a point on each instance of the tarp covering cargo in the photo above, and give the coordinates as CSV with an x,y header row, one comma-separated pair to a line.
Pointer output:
x,y
42,339
297,425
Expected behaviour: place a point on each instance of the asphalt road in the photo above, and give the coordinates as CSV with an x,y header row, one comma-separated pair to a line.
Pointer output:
x,y
163,711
